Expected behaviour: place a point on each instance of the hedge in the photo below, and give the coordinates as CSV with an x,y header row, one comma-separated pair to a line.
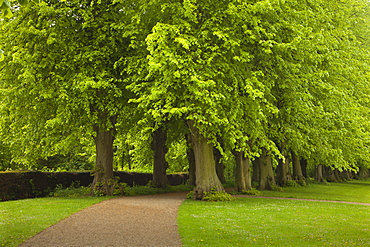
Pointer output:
x,y
21,185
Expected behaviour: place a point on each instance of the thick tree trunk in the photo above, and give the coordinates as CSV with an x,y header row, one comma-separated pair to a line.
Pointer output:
x,y
329,174
242,172
103,183
219,165
304,167
191,160
297,169
255,170
205,166
160,164
283,173
337,175
363,173
346,175
319,174
266,173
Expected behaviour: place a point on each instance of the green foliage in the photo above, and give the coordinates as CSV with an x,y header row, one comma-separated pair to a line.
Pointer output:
x,y
251,75
55,101
276,188
75,190
190,195
301,182
252,192
119,189
99,189
291,183
69,162
217,196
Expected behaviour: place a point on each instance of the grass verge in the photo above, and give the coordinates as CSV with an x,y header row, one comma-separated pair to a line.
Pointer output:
x,y
272,222
20,220
351,191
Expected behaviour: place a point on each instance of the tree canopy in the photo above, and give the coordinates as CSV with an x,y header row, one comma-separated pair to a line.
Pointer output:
x,y
255,77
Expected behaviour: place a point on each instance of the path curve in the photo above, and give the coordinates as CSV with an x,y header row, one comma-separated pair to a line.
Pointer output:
x,y
149,220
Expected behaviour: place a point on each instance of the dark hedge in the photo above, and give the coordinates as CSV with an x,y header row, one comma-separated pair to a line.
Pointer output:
x,y
21,185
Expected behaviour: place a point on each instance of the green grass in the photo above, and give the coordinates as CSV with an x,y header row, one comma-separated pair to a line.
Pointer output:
x,y
351,191
242,222
20,220
274,222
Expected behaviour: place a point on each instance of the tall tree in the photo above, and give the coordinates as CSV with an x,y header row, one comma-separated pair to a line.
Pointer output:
x,y
62,80
160,164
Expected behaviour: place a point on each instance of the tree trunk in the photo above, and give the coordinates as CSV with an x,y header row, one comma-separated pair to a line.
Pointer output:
x,y
346,175
103,183
255,170
304,167
329,174
191,160
297,169
283,174
160,164
363,172
219,165
242,172
337,175
319,177
266,173
205,166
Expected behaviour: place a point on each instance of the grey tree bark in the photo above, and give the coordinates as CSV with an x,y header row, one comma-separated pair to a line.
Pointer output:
x,y
205,166
242,172
103,182
297,169
266,173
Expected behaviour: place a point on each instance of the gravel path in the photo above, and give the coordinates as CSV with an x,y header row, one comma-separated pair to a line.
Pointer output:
x,y
132,221
125,221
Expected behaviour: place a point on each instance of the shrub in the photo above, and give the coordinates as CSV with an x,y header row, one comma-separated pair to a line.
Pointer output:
x,y
253,192
302,182
190,195
217,196
75,190
291,183
276,188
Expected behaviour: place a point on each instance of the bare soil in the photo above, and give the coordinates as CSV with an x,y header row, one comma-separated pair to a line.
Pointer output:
x,y
125,221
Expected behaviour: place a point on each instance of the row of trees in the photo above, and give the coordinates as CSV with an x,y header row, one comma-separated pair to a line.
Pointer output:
x,y
272,81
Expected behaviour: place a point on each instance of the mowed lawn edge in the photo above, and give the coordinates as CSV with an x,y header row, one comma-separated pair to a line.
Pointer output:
x,y
22,219
274,222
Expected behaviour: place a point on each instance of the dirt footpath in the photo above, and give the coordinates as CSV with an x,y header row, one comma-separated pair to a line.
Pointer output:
x,y
125,221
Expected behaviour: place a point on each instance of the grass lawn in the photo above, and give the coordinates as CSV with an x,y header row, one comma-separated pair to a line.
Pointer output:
x,y
273,222
242,222
351,191
20,220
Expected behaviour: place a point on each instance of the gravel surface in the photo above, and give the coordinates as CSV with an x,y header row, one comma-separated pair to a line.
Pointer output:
x,y
125,221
